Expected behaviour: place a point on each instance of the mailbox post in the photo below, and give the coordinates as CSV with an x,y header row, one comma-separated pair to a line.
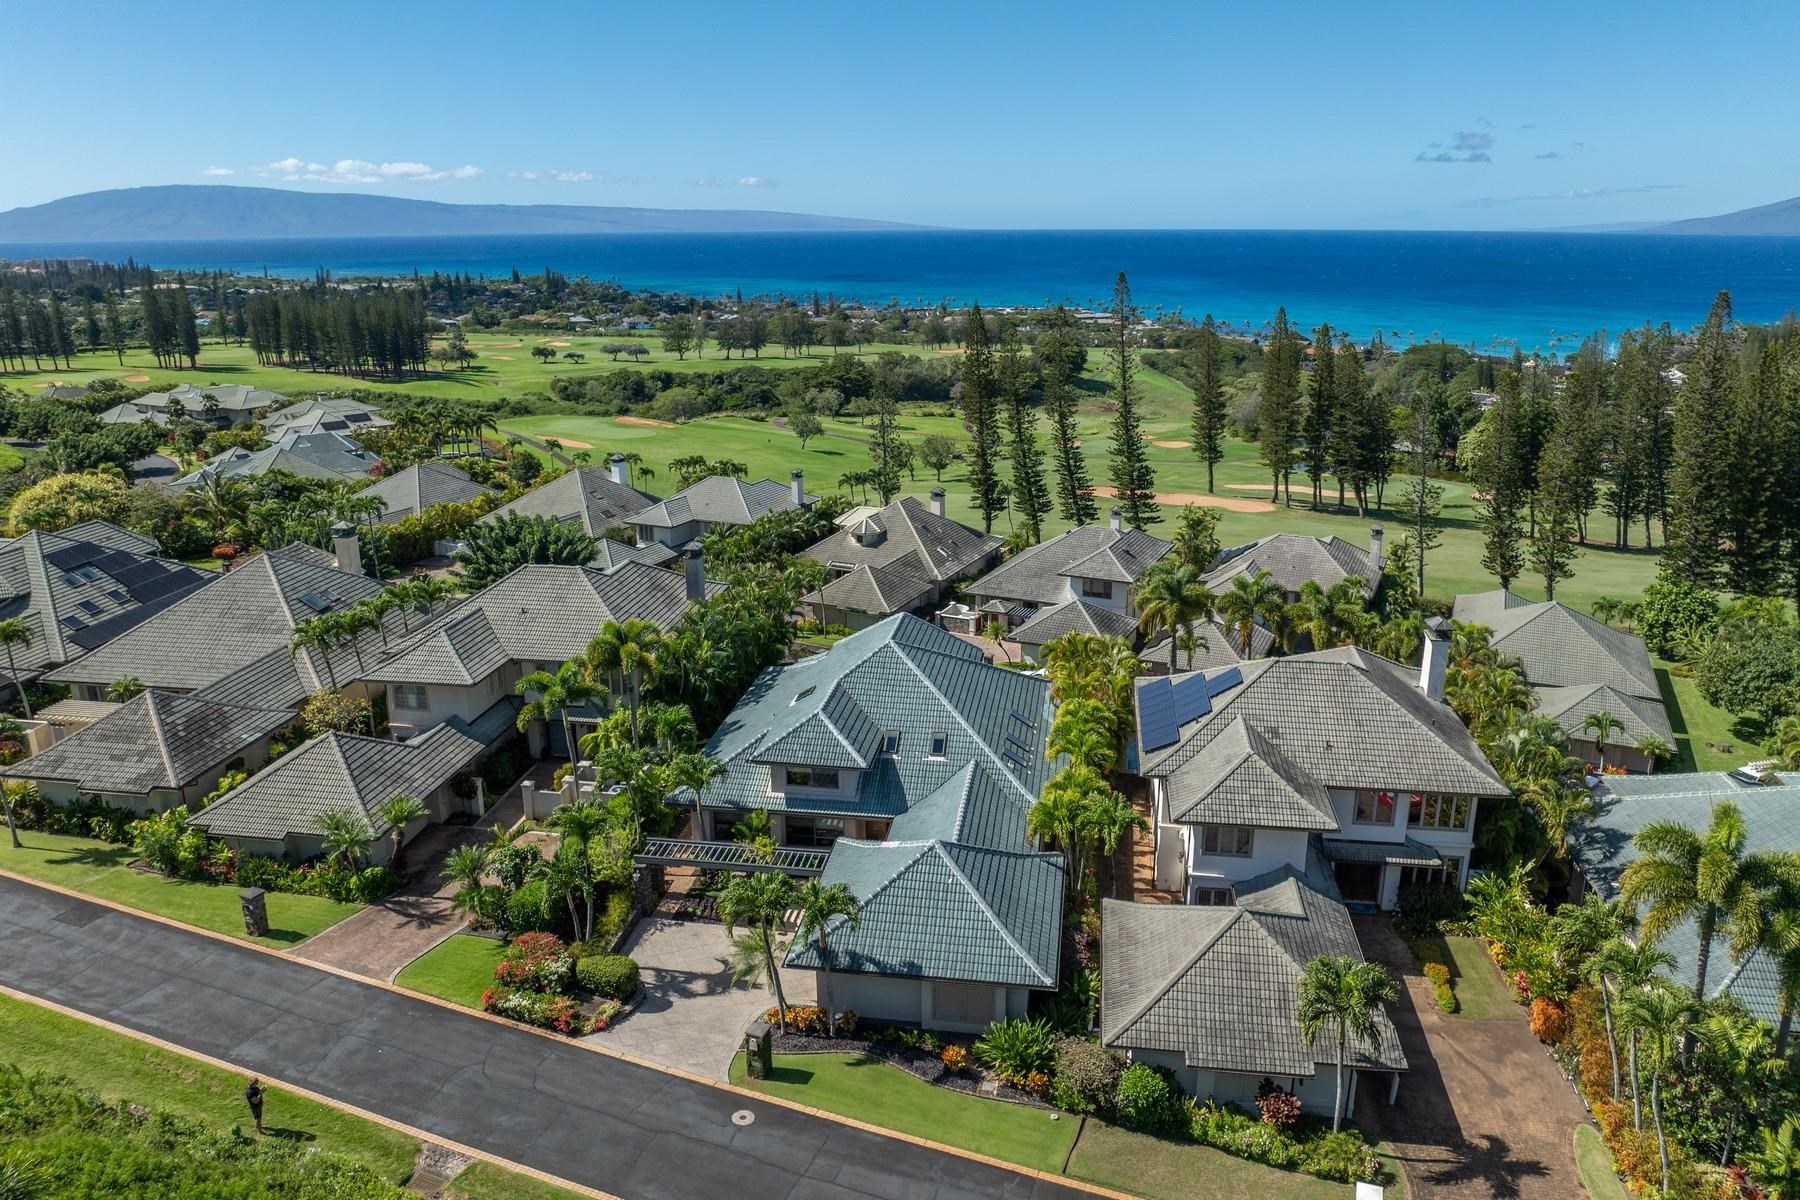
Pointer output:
x,y
256,912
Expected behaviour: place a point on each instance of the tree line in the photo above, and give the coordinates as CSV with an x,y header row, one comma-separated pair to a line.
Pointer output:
x,y
384,333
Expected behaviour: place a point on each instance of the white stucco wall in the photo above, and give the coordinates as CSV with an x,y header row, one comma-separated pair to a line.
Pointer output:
x,y
1270,849
911,1001
443,701
1316,1092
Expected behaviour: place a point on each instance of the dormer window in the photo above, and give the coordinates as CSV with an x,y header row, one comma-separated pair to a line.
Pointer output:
x,y
1100,589
890,742
940,744
812,777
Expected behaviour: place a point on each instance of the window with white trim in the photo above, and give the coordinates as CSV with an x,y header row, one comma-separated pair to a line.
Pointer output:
x,y
1213,897
1233,840
410,696
1374,808
1450,874
1438,812
812,777
940,743
1100,589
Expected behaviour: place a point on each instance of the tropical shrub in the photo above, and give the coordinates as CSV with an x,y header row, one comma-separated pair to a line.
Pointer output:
x,y
1428,908
614,976
1087,1076
1016,1050
1340,1156
1146,1100
1670,607
1437,972
527,909
1280,1109
546,1011
537,962
169,844
811,1019
1225,1127
605,1015
1549,1020
955,1058
1445,996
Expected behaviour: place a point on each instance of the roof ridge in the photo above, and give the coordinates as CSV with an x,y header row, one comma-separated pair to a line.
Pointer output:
x,y
981,902
956,713
156,735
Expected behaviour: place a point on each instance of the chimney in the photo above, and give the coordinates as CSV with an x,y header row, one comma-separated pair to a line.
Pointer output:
x,y
695,570
1118,522
345,546
1375,555
798,482
1436,657
621,470
937,501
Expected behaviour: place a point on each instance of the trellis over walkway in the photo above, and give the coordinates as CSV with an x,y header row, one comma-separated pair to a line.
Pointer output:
x,y
729,856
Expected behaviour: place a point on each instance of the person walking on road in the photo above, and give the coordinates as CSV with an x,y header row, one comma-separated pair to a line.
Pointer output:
x,y
253,1096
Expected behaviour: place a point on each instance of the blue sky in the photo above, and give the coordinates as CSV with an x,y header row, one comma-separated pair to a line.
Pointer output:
x,y
983,115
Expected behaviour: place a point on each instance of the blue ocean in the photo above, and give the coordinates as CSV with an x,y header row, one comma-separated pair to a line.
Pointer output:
x,y
1491,291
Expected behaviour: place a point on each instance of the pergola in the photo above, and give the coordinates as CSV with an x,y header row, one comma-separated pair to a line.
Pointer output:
x,y
729,856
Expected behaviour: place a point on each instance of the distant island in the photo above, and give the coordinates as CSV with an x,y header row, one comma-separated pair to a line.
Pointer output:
x,y
1780,219
200,212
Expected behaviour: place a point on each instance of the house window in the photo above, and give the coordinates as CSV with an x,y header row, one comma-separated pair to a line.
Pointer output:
x,y
940,744
1100,589
1234,840
1213,897
812,777
1450,873
820,833
410,696
890,742
1438,812
1374,808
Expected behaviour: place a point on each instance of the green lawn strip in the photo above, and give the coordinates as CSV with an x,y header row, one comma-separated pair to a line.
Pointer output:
x,y
116,1067
99,869
1161,1169
10,457
457,969
1481,994
1699,727
1596,1166
870,1090
485,1181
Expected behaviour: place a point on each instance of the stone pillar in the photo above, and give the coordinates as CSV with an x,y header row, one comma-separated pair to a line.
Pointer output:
x,y
528,798
256,912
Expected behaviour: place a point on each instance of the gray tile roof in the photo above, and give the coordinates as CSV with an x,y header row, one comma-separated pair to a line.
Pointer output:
x,y
1408,853
1040,574
610,553
541,612
234,620
1219,985
326,456
720,500
155,740
907,532
1348,717
105,533
1292,559
875,590
975,806
333,772
278,679
83,587
1627,803
421,486
838,733
586,496
129,413
1639,717
334,414
1221,649
1242,778
231,397
941,910
1560,646
1074,616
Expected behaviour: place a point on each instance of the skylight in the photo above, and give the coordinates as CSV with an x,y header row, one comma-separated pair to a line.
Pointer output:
x,y
940,744
804,693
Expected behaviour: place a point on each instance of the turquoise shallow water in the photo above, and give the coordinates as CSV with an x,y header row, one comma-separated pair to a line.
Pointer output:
x,y
1489,290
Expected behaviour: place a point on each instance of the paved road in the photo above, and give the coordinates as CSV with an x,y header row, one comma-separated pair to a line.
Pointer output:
x,y
586,1117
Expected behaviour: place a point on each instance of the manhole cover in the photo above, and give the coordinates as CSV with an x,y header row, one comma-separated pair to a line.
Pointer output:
x,y
742,1116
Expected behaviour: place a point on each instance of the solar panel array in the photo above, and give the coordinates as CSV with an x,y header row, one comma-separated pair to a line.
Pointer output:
x,y
148,585
1165,705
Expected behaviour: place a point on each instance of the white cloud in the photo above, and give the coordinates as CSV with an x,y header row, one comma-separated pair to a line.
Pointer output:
x,y
757,181
358,170
706,183
215,172
572,176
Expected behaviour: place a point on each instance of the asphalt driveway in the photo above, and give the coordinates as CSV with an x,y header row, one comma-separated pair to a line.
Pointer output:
x,y
600,1121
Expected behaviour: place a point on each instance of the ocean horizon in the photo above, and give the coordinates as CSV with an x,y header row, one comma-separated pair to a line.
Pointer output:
x,y
1488,291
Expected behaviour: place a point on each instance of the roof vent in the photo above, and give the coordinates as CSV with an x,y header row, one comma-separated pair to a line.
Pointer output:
x,y
1758,773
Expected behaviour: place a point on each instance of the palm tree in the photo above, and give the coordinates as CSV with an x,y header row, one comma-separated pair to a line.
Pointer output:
x,y
14,632
819,905
1635,968
14,791
318,635
347,836
1170,596
1775,1168
556,694
1600,969
1561,810
467,867
759,901
1083,730
1342,995
1656,750
1110,818
1743,1047
1602,725
628,651
1248,599
121,690
1067,814
579,824
1658,1016
1707,878
397,812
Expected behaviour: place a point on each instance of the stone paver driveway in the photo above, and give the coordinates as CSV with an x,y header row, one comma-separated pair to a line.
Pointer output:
x,y
690,1016
1483,1113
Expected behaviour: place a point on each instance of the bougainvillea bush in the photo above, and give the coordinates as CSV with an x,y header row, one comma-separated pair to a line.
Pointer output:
x,y
560,1013
537,962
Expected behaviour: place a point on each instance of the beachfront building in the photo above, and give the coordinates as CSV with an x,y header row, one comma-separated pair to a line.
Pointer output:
x,y
714,501
1338,753
895,559
1579,666
901,764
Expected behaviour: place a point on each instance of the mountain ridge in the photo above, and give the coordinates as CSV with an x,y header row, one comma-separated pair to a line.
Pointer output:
x,y
223,212
1780,219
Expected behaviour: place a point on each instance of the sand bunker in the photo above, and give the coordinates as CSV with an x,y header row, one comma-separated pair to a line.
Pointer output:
x,y
1172,445
541,342
571,443
506,345
137,379
1247,487
644,421
1229,503
502,357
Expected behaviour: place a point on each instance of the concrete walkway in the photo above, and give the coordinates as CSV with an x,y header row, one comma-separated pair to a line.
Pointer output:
x,y
549,1104
1483,1113
690,1017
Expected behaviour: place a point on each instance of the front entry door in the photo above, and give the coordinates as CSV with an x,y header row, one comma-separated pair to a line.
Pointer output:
x,y
1360,883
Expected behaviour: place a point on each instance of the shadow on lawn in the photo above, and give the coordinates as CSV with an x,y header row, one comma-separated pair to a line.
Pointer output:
x,y
793,1076
85,856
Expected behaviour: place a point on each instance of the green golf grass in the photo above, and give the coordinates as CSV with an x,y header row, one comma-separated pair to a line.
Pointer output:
x,y
1701,731
100,869
457,969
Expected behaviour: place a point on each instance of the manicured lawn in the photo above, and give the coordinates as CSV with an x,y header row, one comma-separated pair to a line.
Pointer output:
x,y
1595,1164
485,1181
99,869
457,969
10,457
1481,994
1700,729
1159,1169
117,1067
873,1091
